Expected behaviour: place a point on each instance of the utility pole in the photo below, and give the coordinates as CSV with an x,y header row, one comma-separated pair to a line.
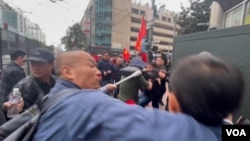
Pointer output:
x,y
151,30
175,20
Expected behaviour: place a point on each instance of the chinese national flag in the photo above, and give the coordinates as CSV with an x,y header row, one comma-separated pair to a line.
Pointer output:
x,y
126,54
142,33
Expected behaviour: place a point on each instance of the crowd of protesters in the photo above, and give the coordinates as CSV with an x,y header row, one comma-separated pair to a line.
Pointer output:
x,y
41,80
150,86
89,114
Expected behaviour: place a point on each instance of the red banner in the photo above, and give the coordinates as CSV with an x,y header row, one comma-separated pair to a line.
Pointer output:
x,y
142,33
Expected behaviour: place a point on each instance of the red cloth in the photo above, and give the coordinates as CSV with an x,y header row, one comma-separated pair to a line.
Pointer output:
x,y
144,57
142,33
126,54
130,102
96,57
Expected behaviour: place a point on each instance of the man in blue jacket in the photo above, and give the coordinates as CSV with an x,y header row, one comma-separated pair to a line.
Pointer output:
x,y
196,109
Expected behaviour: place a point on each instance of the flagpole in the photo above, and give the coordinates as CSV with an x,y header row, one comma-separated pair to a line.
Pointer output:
x,y
151,30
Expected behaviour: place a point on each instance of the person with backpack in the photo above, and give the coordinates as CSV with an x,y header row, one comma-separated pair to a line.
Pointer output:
x,y
196,110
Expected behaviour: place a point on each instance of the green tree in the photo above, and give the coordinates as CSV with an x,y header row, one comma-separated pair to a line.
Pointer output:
x,y
49,47
198,12
75,37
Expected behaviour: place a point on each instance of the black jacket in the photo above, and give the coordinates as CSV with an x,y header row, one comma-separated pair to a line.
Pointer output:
x,y
10,76
33,90
157,89
104,66
118,72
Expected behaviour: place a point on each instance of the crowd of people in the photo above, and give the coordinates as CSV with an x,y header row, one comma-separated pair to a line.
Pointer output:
x,y
203,91
150,86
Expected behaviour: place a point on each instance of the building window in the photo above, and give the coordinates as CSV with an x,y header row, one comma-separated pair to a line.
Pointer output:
x,y
234,17
143,13
135,11
247,13
164,19
169,20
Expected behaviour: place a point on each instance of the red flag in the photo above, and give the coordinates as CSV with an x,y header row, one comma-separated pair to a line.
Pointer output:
x,y
126,54
144,57
142,33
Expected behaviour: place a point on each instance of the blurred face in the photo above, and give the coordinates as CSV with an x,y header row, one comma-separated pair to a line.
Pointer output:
x,y
86,74
159,61
162,74
106,56
41,69
149,67
21,60
119,61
